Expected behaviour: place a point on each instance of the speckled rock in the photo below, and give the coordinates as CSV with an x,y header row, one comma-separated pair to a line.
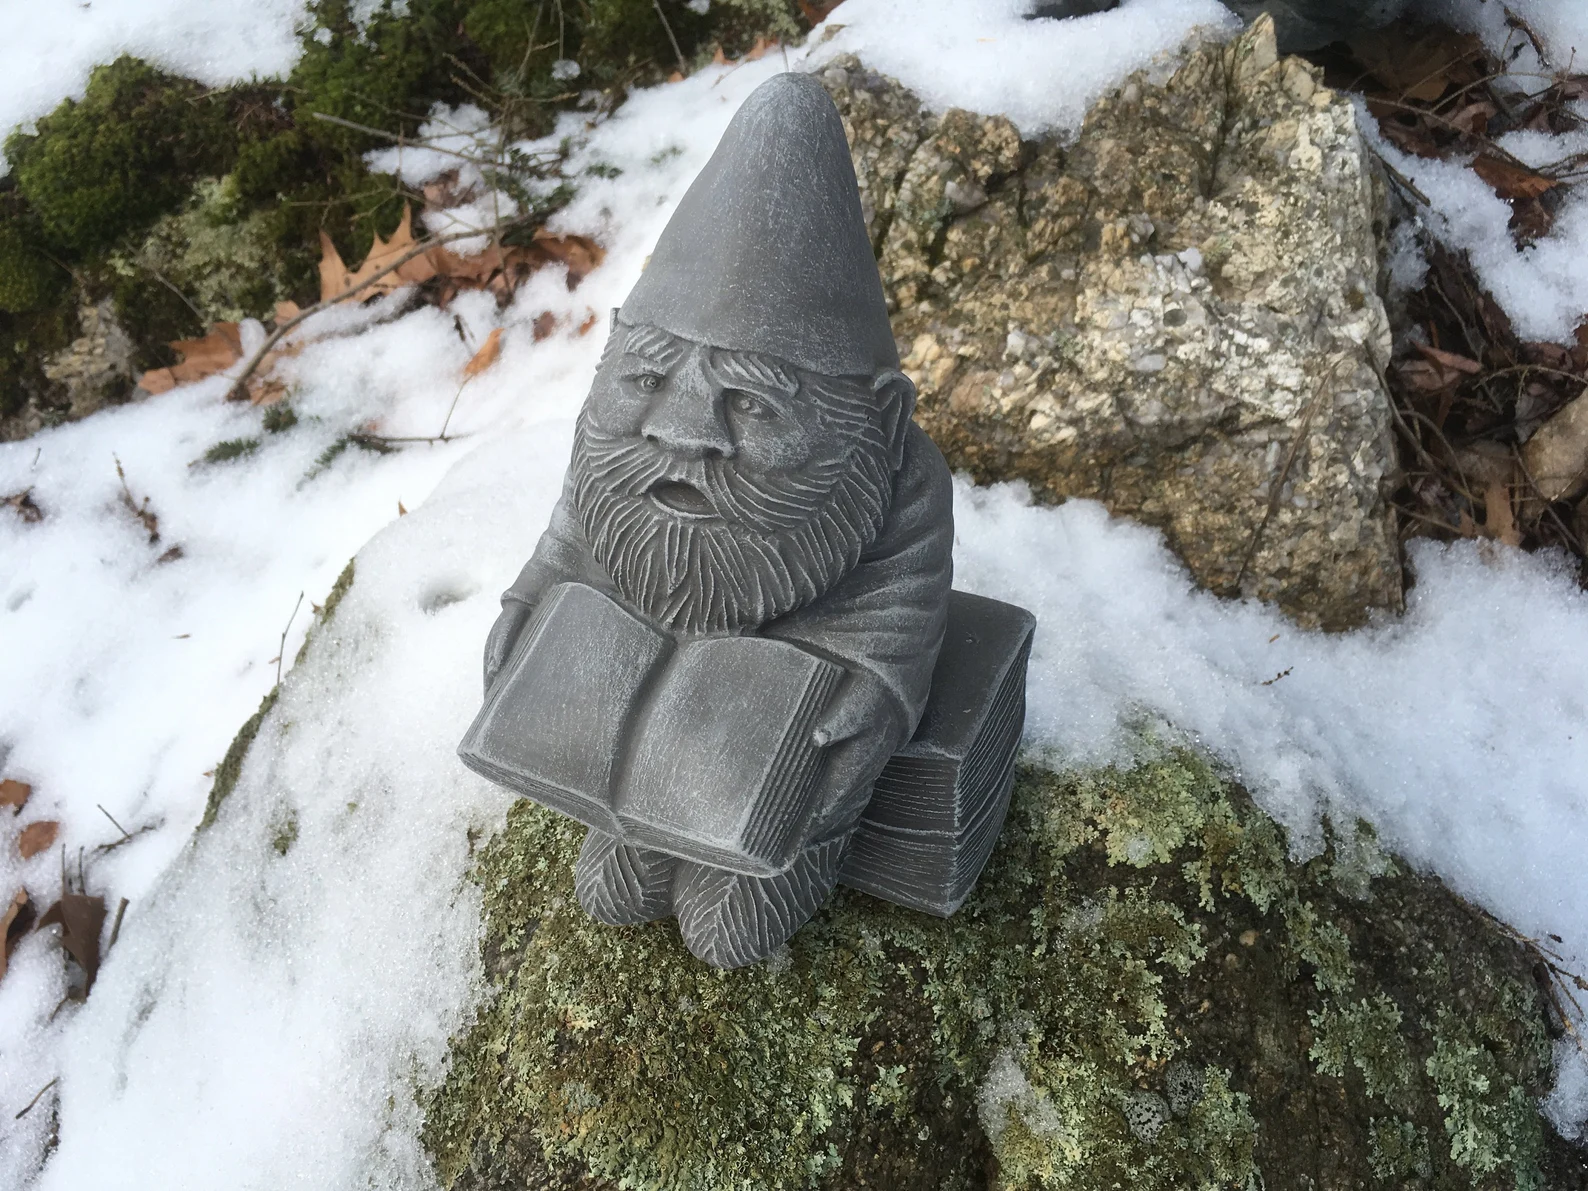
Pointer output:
x,y
95,369
1144,992
1178,314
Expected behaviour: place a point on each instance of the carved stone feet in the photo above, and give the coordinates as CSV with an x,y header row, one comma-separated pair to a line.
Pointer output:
x,y
726,919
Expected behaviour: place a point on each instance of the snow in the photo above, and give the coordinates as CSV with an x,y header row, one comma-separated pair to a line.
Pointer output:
x,y
47,54
265,1015
1042,74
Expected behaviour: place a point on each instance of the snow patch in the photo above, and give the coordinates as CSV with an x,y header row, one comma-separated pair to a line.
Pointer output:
x,y
988,57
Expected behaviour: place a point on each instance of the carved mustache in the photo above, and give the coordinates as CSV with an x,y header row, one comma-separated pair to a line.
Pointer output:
x,y
768,502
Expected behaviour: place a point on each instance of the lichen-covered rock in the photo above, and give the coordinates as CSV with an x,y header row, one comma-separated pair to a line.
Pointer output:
x,y
1144,991
1177,315
95,369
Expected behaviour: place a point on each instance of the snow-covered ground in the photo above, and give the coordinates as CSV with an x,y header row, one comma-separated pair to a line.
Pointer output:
x,y
259,1009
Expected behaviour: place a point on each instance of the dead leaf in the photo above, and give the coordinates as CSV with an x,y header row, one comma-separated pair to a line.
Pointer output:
x,y
486,356
815,11
25,506
36,837
1473,119
1509,180
287,311
590,321
200,358
81,918
401,512
1499,519
14,923
759,49
545,323
1556,457
676,77
1419,63
1450,360
337,279
15,794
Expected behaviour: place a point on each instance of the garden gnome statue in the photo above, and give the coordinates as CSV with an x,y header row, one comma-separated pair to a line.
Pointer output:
x,y
732,623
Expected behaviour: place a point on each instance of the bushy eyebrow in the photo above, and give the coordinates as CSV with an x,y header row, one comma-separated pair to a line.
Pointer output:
x,y
750,368
654,345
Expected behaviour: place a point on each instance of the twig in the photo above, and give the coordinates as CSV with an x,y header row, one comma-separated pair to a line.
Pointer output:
x,y
115,927
124,832
103,849
239,386
197,313
37,1096
422,143
1402,180
380,441
682,65
282,649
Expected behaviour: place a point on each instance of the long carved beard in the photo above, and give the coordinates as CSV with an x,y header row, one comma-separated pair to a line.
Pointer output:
x,y
778,541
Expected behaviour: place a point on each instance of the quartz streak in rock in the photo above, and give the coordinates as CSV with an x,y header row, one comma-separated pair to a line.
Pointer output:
x,y
1177,315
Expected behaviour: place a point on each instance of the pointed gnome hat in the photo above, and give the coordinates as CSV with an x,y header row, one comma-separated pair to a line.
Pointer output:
x,y
768,250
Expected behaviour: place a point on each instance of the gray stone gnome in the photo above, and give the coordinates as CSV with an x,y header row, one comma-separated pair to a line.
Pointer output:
x,y
745,467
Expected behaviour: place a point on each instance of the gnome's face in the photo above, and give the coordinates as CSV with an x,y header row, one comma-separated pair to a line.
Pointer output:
x,y
722,489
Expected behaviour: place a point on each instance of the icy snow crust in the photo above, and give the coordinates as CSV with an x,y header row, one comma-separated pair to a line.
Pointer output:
x,y
286,979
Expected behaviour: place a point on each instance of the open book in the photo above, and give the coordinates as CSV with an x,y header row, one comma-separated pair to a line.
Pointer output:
x,y
701,749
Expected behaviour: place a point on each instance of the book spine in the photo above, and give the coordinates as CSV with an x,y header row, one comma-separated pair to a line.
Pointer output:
x,y
779,814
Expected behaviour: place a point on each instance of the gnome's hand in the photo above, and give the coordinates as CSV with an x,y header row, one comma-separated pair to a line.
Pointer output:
x,y
503,634
860,731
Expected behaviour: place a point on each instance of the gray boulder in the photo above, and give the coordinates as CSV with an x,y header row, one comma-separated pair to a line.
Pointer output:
x,y
1178,314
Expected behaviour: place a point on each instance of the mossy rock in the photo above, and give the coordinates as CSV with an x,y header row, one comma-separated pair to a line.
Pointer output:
x,y
1144,991
123,155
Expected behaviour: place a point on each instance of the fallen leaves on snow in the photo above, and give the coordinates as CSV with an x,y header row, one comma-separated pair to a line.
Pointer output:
x,y
36,837
15,920
15,794
81,918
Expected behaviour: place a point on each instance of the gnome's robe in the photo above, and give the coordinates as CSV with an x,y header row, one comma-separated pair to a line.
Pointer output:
x,y
885,616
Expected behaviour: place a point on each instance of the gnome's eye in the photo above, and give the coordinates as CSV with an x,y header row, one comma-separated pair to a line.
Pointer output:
x,y
648,382
744,403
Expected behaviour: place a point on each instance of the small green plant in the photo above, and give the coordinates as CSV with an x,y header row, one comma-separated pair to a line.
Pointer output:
x,y
230,449
279,418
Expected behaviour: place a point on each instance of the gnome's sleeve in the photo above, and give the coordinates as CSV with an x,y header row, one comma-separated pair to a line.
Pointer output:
x,y
560,556
888,614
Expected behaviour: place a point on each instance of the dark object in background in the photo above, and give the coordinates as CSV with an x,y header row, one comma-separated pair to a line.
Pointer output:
x,y
1300,24
733,623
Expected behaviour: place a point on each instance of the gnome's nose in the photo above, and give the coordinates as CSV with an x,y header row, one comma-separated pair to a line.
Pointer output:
x,y
687,416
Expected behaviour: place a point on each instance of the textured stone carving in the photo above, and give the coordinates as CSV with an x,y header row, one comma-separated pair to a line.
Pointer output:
x,y
1178,314
733,622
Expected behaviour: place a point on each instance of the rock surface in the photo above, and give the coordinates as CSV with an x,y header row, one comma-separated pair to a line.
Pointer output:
x,y
1144,991
1177,315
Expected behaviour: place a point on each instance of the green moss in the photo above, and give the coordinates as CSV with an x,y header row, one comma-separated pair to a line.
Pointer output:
x,y
29,280
231,448
285,834
333,599
231,766
120,157
1129,999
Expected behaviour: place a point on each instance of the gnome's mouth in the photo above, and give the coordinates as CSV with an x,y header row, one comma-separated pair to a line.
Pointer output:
x,y
681,498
